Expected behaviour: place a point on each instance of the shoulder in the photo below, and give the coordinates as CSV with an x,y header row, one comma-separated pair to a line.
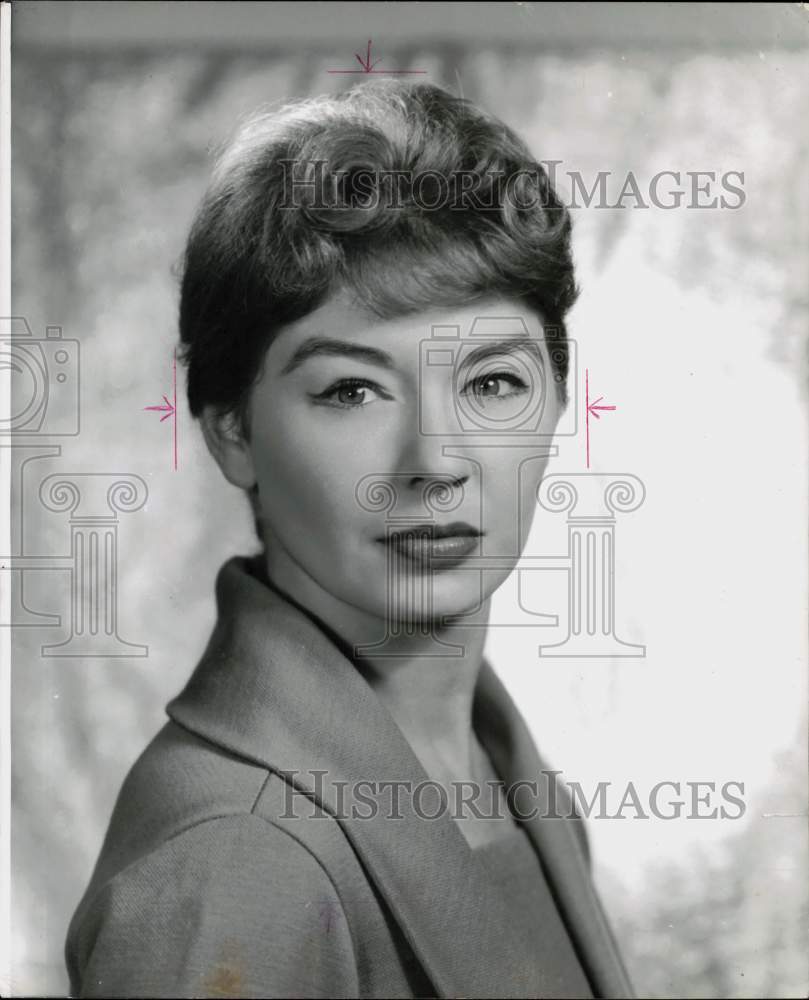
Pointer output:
x,y
230,906
178,781
197,893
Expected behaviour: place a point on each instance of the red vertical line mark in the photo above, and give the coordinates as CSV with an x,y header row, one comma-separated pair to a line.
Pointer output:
x,y
78,583
587,411
94,582
174,377
575,584
591,583
108,594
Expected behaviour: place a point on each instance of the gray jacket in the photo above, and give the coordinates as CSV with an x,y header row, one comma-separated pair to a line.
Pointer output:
x,y
225,872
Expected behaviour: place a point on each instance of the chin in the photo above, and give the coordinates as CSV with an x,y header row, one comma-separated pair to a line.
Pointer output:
x,y
421,599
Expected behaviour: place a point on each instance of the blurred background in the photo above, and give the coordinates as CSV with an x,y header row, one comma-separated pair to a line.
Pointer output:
x,y
692,322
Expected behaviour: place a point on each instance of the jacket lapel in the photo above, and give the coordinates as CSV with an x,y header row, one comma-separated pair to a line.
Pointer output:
x,y
504,733
273,688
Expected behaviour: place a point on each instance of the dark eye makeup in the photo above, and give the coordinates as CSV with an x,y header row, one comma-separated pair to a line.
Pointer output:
x,y
352,393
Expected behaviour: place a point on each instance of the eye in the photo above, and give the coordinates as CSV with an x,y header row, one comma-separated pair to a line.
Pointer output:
x,y
495,385
350,394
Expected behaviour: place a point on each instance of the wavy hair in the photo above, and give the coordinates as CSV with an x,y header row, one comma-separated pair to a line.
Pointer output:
x,y
409,197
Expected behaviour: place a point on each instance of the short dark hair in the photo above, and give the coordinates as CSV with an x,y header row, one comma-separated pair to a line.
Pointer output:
x,y
267,247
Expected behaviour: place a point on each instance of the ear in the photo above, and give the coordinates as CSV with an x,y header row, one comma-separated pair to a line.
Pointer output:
x,y
227,444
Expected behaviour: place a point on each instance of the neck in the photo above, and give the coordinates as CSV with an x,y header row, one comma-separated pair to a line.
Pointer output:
x,y
428,693
431,696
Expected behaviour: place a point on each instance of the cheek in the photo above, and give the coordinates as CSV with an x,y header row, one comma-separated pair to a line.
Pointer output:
x,y
307,476
513,481
528,496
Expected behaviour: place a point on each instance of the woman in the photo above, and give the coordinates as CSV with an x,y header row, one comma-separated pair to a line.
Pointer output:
x,y
372,315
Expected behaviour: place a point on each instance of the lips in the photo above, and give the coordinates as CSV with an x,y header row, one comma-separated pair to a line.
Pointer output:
x,y
434,545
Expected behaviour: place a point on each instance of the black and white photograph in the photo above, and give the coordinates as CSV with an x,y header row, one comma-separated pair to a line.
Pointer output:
x,y
405,509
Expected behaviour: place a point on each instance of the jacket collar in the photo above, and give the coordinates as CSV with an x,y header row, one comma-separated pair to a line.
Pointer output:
x,y
273,687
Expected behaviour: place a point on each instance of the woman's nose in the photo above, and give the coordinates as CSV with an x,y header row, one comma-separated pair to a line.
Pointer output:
x,y
428,452
429,459
433,495
441,481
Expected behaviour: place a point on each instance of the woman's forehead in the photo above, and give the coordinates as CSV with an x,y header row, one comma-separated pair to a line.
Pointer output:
x,y
344,317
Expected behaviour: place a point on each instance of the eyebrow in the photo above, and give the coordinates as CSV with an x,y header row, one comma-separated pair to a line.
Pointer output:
x,y
329,347
494,348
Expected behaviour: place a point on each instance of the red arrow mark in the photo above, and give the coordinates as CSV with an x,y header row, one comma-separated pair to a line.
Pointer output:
x,y
367,65
370,67
591,408
169,409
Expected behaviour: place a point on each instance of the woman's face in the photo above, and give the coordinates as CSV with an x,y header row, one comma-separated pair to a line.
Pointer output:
x,y
362,428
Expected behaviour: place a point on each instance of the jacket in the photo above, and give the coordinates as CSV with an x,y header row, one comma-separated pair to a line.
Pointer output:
x,y
226,869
